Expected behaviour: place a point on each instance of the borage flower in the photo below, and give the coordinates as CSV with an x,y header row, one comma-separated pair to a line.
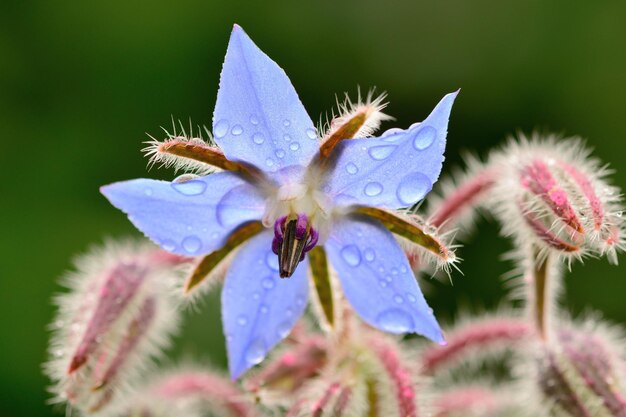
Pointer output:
x,y
289,195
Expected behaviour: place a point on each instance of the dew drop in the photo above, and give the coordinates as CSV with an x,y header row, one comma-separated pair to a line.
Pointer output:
x,y
300,301
283,329
289,312
192,244
258,138
394,271
264,309
398,299
254,120
280,153
382,283
424,138
168,245
388,278
311,133
255,352
351,254
148,192
286,123
381,152
351,168
237,130
387,133
190,187
413,188
410,297
269,162
272,261
287,138
373,189
242,320
220,128
294,146
268,283
395,321
369,255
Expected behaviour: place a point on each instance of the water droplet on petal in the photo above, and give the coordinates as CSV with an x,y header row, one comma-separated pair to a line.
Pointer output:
x,y
255,352
190,187
398,299
381,152
289,312
394,271
387,133
286,123
264,309
268,283
351,168
351,254
369,255
254,120
242,320
237,130
411,297
168,245
287,138
294,146
283,329
373,189
424,137
388,278
272,261
413,188
192,244
269,162
280,153
395,321
148,192
382,283
256,296
311,133
221,128
300,301
258,138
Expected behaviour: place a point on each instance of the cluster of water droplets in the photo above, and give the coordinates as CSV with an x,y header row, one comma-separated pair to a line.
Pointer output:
x,y
395,320
290,143
412,187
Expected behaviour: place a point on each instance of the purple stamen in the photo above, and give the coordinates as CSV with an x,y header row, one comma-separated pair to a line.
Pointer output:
x,y
301,226
314,237
279,226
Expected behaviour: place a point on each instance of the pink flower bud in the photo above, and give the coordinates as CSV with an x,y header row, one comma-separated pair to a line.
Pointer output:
x,y
118,314
293,368
553,194
580,374
481,336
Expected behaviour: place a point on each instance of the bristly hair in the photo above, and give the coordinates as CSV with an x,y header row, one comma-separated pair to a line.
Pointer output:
x,y
179,134
372,106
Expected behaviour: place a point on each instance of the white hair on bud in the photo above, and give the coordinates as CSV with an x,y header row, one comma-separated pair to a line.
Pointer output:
x,y
372,106
154,150
75,310
562,157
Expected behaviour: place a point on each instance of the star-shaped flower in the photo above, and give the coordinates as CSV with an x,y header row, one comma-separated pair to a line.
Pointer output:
x,y
295,201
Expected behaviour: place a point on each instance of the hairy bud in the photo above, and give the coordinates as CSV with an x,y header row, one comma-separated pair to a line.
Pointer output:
x,y
117,315
554,194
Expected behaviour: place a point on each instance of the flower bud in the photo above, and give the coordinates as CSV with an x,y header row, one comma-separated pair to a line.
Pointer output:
x,y
580,375
118,314
554,194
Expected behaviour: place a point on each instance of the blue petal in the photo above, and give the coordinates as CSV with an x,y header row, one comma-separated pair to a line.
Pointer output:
x,y
258,308
377,280
258,116
188,218
395,170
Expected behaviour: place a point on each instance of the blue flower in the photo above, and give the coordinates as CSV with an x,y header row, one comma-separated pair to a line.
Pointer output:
x,y
336,196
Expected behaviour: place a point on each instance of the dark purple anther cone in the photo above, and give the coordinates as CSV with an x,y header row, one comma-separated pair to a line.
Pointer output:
x,y
293,238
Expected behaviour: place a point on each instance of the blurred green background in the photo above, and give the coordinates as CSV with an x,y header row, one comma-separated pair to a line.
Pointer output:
x,y
81,83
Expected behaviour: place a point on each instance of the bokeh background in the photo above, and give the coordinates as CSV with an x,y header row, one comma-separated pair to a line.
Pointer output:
x,y
81,83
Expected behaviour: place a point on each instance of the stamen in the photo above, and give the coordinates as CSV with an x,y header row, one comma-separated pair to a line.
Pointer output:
x,y
293,238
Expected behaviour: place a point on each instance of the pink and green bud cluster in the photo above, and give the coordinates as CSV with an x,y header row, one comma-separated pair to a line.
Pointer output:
x,y
118,315
581,375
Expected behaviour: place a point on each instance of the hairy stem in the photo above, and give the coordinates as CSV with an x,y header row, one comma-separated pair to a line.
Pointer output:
x,y
321,279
